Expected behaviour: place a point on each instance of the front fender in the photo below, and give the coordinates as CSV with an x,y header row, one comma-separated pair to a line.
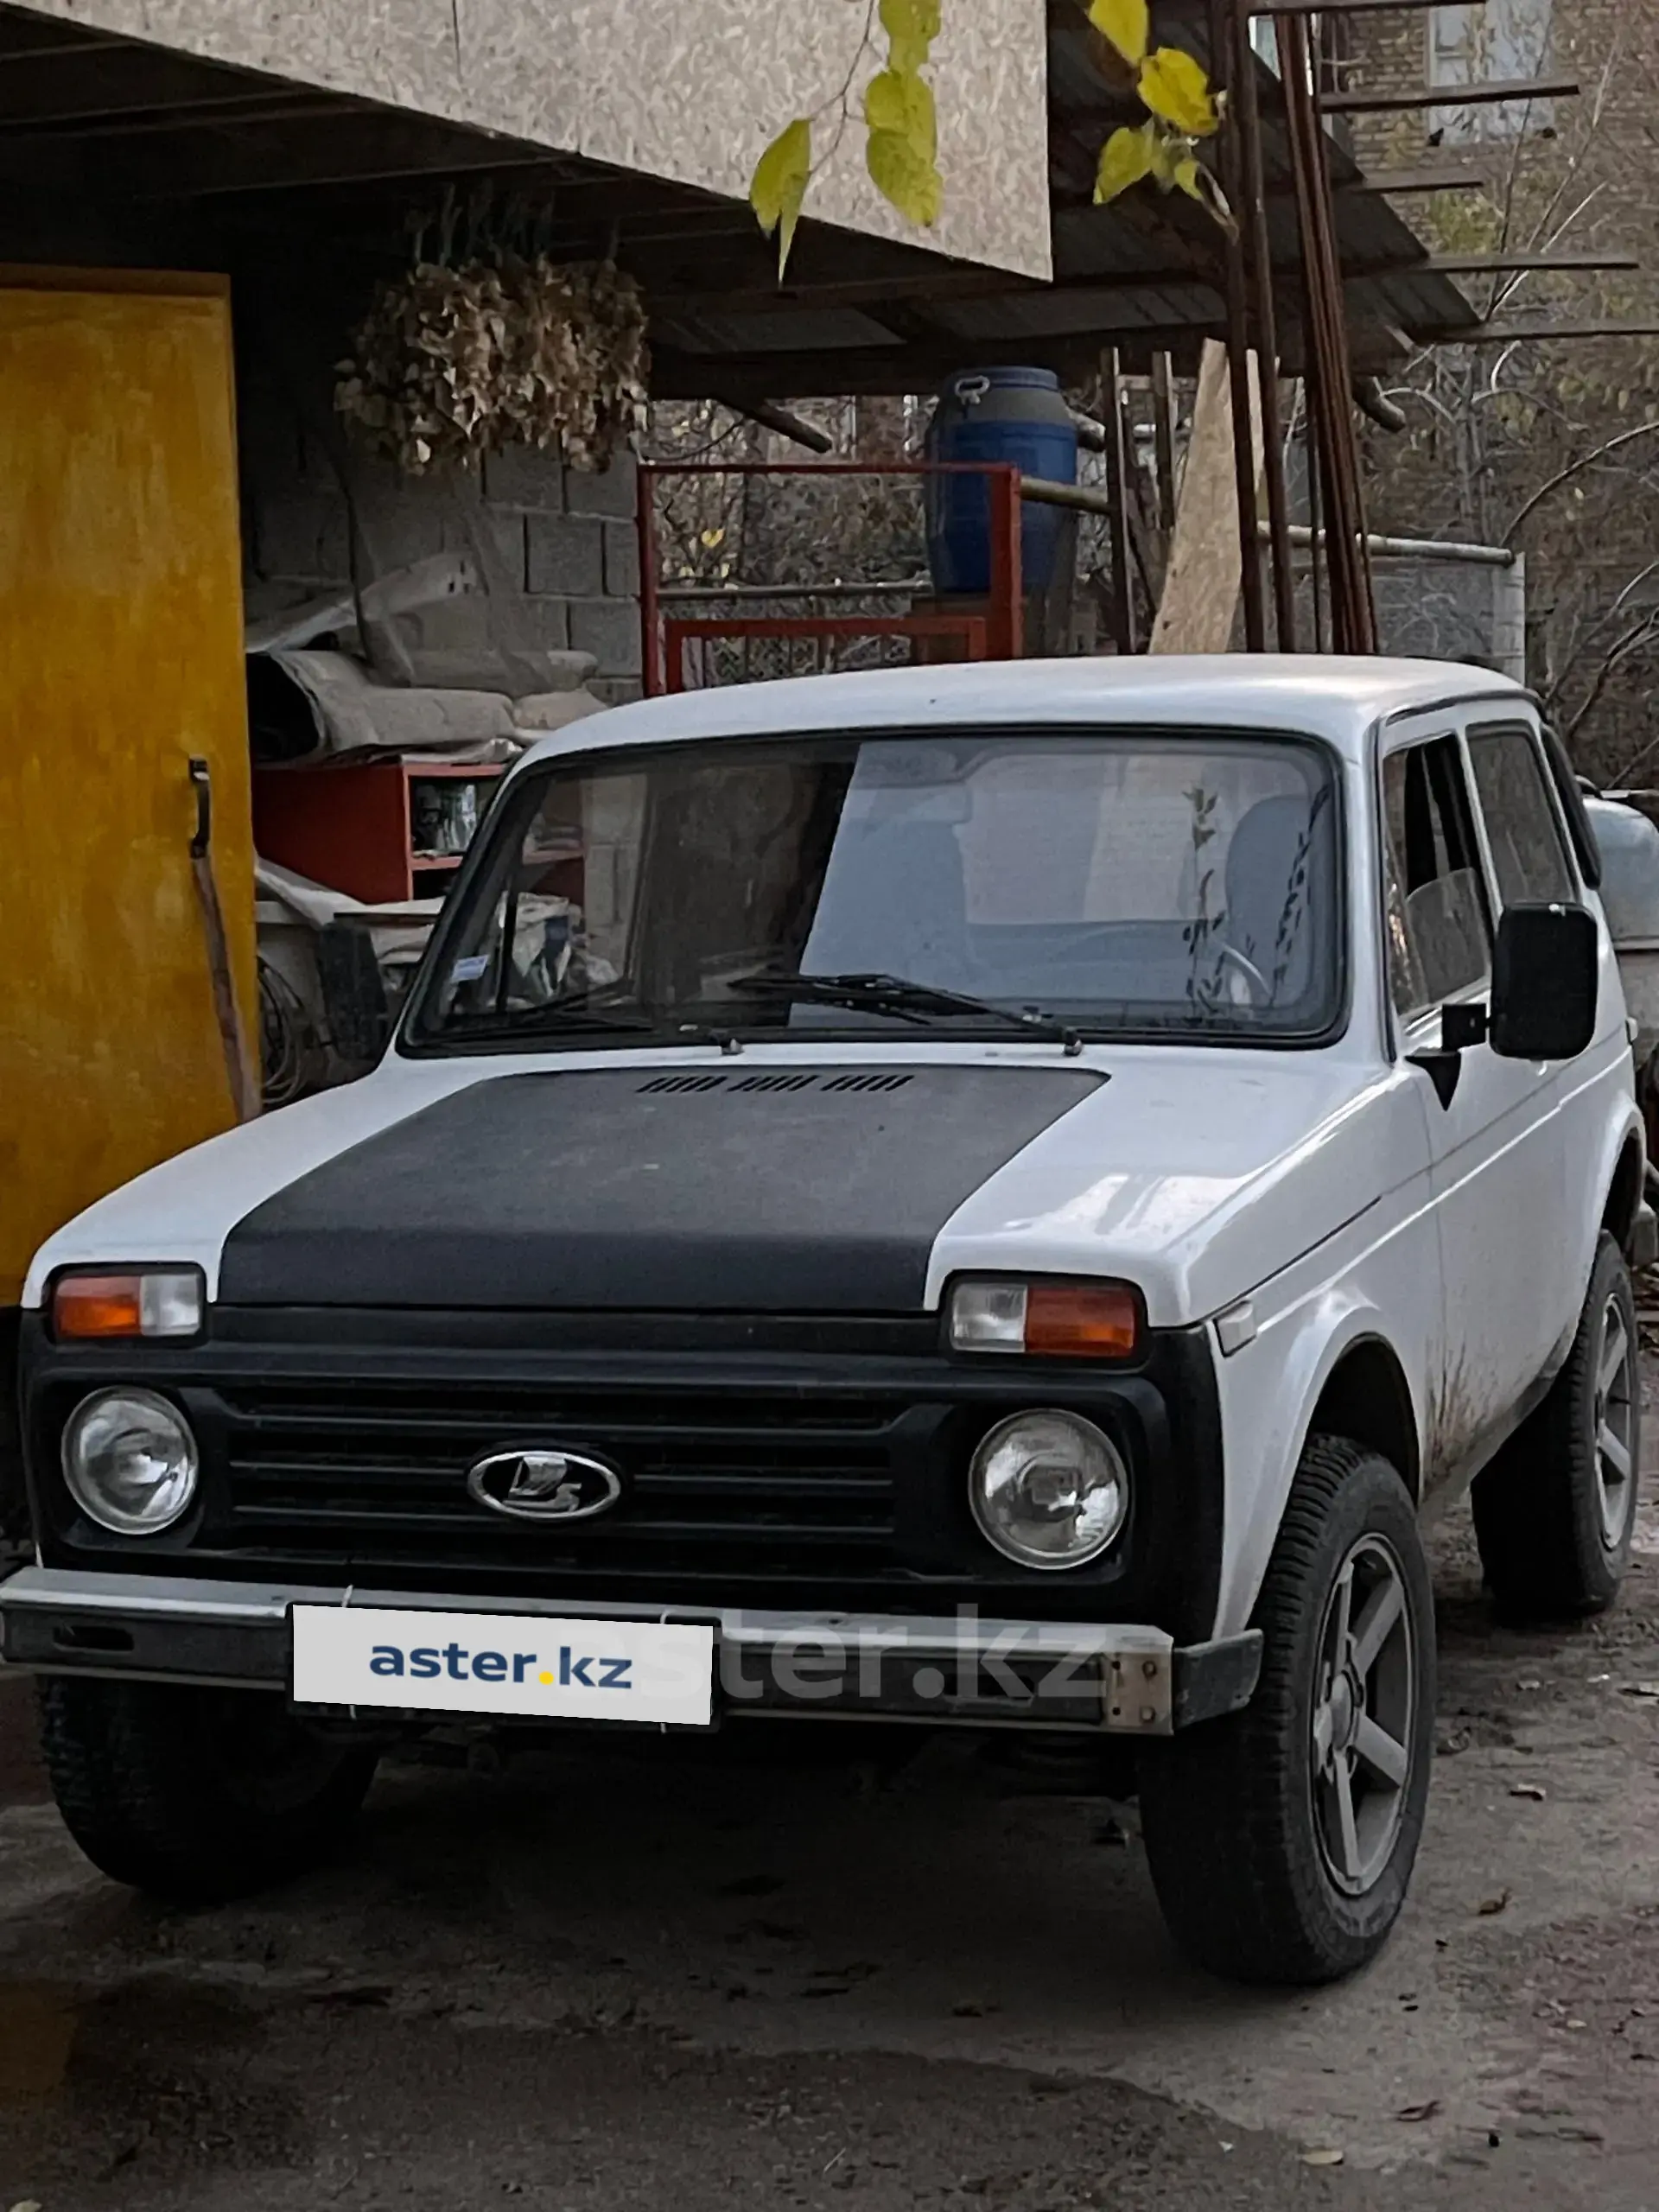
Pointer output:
x,y
1270,1392
1593,1176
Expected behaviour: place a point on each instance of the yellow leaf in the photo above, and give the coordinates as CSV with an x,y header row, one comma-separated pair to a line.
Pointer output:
x,y
777,189
905,175
904,105
912,26
1126,24
1175,86
1174,162
1126,158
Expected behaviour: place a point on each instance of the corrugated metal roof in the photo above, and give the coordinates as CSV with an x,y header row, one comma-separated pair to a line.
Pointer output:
x,y
1145,274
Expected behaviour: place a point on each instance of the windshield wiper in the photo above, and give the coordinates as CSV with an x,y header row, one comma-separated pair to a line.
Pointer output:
x,y
904,1000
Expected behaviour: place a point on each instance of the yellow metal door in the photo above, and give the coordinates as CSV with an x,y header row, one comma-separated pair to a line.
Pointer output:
x,y
120,660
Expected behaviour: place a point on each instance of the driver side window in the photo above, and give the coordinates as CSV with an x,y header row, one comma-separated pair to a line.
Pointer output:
x,y
1438,931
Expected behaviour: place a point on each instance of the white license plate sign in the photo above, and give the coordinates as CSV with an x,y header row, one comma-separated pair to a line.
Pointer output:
x,y
529,1665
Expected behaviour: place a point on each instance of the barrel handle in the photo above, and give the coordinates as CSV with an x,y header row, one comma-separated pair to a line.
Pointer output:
x,y
972,390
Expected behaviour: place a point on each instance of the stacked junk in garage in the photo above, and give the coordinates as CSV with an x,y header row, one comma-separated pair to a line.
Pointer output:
x,y
519,437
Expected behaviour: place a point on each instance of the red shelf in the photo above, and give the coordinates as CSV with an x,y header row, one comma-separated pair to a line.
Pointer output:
x,y
351,828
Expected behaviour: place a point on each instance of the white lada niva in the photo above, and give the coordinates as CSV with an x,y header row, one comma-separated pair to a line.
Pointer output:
x,y
998,1197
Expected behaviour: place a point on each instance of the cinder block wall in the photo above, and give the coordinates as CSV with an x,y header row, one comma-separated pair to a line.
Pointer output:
x,y
567,538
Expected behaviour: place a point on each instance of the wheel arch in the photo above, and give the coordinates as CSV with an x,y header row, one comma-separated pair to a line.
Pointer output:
x,y
1367,1398
1624,1188
1343,1366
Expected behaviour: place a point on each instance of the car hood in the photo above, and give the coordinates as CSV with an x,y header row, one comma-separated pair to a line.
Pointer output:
x,y
812,1184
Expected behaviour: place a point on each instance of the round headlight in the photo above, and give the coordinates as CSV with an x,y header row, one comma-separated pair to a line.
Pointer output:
x,y
130,1461
1049,1490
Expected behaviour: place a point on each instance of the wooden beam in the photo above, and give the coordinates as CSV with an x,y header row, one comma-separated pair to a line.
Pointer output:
x,y
1343,7
92,89
241,110
677,374
1462,177
787,423
1507,334
1483,264
349,145
15,49
803,295
1499,91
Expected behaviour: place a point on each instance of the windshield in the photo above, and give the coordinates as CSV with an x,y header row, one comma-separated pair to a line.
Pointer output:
x,y
1121,884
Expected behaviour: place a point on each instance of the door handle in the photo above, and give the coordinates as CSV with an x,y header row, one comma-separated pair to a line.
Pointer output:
x,y
201,781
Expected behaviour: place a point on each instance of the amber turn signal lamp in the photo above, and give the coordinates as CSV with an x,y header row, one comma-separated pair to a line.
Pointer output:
x,y
150,1303
1046,1320
1082,1321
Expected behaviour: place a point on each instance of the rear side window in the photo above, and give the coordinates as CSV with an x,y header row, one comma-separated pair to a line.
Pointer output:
x,y
1439,932
1529,853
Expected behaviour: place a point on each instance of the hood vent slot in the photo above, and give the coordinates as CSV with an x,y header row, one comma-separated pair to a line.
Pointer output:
x,y
787,1080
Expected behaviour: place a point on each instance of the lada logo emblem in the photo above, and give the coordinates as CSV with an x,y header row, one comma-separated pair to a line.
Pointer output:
x,y
545,1485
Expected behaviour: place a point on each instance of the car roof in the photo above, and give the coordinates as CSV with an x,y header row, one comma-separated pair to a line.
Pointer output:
x,y
1320,696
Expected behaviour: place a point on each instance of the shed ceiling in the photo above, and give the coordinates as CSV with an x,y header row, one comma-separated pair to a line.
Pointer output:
x,y
228,165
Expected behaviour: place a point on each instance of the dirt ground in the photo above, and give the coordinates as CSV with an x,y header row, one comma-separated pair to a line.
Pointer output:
x,y
891,1971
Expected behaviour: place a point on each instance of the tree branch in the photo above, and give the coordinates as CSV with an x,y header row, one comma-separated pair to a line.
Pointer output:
x,y
1577,468
1640,634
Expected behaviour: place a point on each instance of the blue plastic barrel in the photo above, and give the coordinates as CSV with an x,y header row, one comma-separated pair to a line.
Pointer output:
x,y
1017,415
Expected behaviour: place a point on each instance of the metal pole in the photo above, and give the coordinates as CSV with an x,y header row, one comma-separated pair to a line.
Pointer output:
x,y
1238,348
1007,613
1117,487
1163,431
1329,375
1318,563
1247,111
645,525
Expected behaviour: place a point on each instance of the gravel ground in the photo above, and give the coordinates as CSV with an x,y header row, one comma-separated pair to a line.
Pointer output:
x,y
869,1967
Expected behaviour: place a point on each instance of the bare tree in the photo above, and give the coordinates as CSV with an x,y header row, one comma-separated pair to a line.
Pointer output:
x,y
1552,448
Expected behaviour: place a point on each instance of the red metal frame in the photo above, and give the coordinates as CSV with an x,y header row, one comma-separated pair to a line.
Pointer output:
x,y
974,631
1003,624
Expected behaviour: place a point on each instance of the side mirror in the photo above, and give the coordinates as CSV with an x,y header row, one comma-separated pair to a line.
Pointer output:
x,y
1546,983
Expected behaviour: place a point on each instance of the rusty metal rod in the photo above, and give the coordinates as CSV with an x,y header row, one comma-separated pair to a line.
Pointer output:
x,y
1238,344
1329,377
1163,432
1247,116
1117,485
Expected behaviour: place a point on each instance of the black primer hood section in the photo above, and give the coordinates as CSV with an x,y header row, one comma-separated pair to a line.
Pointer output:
x,y
792,1190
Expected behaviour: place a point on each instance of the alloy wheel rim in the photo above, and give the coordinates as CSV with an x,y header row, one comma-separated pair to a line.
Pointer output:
x,y
1364,1716
1615,1419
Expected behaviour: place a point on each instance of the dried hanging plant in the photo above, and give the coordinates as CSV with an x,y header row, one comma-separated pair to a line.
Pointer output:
x,y
451,364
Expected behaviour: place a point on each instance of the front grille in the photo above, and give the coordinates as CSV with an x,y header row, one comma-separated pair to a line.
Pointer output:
x,y
714,1482
771,1461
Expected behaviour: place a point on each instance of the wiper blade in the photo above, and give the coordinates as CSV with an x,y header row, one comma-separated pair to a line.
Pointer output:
x,y
905,999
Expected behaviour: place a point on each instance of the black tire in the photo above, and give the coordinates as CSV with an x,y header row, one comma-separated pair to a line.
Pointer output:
x,y
1238,1815
1554,1538
195,1796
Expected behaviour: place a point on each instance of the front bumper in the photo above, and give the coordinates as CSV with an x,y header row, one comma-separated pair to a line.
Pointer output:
x,y
1110,1678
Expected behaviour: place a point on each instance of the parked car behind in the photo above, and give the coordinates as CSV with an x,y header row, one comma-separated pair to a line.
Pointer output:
x,y
998,1196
